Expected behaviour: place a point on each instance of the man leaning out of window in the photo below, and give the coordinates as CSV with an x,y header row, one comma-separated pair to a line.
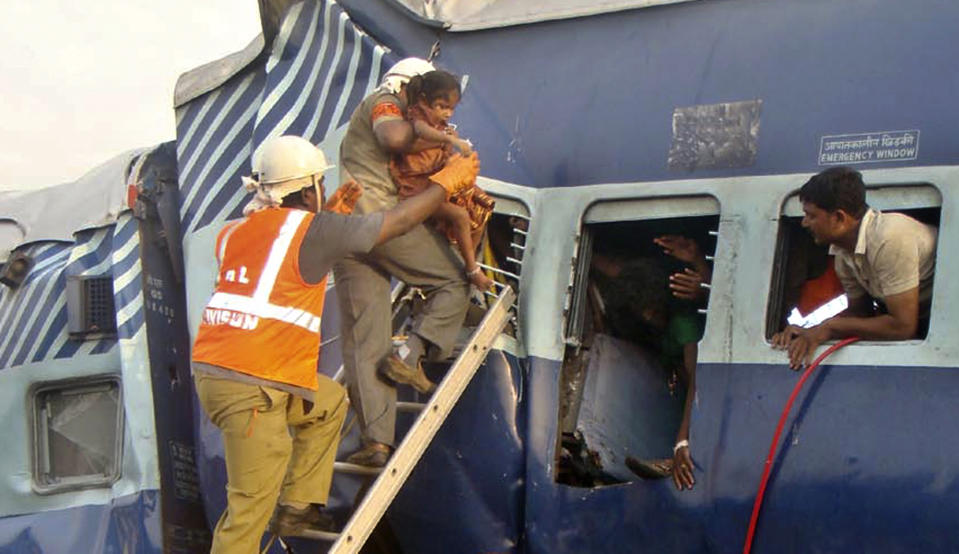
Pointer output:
x,y
885,262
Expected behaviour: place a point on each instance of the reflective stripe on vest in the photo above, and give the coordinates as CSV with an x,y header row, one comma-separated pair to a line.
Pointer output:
x,y
251,306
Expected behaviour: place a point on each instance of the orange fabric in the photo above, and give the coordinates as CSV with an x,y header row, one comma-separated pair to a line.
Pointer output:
x,y
387,110
411,172
276,336
816,292
344,199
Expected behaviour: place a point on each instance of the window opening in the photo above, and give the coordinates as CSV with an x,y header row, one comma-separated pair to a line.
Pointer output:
x,y
804,289
630,339
78,434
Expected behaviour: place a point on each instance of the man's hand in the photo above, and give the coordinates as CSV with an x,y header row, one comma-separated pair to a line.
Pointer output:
x,y
687,285
344,199
683,469
682,248
801,344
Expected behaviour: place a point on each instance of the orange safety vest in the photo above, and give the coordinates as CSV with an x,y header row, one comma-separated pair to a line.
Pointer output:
x,y
263,318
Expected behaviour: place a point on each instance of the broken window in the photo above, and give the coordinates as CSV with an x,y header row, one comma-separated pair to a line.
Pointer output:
x,y
78,434
631,338
805,290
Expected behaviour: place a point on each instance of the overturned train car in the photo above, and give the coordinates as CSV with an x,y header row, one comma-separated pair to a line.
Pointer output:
x,y
600,128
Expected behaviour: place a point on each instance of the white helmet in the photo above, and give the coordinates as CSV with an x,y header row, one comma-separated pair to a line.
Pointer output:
x,y
287,157
404,70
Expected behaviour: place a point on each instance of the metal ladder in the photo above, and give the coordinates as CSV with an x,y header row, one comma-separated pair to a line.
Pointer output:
x,y
391,477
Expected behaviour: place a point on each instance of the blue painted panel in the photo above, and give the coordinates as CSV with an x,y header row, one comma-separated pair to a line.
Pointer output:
x,y
547,110
130,524
860,470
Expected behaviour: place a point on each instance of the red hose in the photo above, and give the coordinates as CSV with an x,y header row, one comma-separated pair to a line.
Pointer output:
x,y
757,505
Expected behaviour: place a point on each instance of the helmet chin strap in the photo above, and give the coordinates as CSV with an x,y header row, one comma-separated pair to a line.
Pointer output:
x,y
319,192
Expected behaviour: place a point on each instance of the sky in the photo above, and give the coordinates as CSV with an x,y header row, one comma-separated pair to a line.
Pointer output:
x,y
81,82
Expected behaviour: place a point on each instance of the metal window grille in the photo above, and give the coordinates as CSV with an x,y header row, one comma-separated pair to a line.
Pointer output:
x,y
90,307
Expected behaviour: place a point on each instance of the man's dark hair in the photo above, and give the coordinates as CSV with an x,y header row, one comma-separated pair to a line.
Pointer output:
x,y
837,188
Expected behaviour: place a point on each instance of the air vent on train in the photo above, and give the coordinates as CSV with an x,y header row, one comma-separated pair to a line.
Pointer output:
x,y
90,307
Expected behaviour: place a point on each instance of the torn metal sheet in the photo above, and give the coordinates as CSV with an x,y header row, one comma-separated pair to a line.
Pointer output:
x,y
715,136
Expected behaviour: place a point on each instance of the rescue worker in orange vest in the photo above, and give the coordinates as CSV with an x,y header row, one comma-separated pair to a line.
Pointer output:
x,y
256,351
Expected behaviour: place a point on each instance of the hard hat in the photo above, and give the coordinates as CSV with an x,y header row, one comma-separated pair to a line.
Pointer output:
x,y
403,70
287,157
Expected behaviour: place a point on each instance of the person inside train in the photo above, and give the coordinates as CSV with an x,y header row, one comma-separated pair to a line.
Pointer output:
x,y
885,262
647,305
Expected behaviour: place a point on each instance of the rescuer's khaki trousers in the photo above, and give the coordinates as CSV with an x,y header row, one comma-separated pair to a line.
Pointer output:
x,y
420,258
263,461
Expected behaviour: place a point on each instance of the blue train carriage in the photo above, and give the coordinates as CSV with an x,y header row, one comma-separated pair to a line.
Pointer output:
x,y
97,397
603,127
304,75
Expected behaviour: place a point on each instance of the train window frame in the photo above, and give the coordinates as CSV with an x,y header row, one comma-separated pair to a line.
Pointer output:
x,y
675,210
903,197
40,396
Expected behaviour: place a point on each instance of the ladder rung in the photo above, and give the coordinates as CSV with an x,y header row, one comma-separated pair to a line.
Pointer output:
x,y
320,535
356,469
410,406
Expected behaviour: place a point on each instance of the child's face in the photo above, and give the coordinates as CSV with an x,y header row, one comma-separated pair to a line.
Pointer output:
x,y
441,109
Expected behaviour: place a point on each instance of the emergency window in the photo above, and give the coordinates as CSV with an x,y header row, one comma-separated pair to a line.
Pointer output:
x,y
804,288
624,377
78,433
90,307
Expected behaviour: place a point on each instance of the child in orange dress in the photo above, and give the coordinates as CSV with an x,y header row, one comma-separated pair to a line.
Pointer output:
x,y
433,97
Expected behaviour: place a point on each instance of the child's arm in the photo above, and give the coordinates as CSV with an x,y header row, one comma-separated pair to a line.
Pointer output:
x,y
459,221
429,136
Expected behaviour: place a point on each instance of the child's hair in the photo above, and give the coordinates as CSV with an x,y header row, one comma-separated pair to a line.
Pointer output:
x,y
432,85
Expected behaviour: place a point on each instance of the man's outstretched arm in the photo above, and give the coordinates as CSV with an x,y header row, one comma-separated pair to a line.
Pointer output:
x,y
901,323
459,173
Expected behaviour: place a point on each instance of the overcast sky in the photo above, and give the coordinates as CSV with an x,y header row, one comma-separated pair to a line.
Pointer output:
x,y
81,82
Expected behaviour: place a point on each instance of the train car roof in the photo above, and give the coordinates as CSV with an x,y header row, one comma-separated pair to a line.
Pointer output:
x,y
57,212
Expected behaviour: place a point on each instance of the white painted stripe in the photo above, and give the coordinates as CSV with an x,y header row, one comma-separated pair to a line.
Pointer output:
x,y
209,193
186,139
91,245
350,80
329,76
374,78
40,273
27,292
122,252
129,275
281,87
281,245
60,304
251,306
314,71
124,314
286,29
212,157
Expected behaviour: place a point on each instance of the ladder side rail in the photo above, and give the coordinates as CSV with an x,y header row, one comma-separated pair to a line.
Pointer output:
x,y
418,438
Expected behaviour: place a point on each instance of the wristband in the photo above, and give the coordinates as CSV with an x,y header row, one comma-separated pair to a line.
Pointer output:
x,y
475,271
681,444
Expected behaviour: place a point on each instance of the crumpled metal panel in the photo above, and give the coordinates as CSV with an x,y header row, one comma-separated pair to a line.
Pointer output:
x,y
130,524
466,493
